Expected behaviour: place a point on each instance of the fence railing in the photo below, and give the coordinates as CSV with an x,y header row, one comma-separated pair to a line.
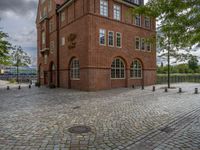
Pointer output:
x,y
22,78
176,78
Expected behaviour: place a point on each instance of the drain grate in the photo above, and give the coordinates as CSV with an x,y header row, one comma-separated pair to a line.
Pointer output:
x,y
167,129
79,129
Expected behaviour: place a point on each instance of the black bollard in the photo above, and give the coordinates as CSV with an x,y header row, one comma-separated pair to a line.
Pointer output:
x,y
142,87
166,89
133,86
8,88
180,90
29,86
154,89
196,91
19,88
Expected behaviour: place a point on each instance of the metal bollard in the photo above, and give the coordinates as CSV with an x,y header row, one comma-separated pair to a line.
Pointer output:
x,y
8,88
133,86
19,88
180,90
142,87
196,91
166,89
29,86
154,89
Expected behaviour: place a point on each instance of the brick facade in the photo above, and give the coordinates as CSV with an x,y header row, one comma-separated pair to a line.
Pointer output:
x,y
75,26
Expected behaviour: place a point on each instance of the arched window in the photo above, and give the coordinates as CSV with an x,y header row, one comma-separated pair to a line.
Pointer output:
x,y
118,69
75,69
136,69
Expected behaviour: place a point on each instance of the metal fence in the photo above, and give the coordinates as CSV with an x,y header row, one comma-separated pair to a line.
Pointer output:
x,y
178,78
22,78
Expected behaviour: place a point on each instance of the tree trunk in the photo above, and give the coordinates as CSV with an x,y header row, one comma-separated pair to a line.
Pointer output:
x,y
168,61
17,74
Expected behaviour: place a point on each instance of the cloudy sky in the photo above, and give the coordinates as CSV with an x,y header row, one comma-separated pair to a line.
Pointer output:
x,y
18,20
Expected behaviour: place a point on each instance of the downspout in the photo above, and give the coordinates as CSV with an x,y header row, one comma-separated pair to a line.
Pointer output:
x,y
58,48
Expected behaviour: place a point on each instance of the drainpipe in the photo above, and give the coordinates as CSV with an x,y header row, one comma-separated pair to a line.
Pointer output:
x,y
58,47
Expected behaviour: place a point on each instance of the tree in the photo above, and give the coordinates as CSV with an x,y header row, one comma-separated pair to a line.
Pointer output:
x,y
178,27
20,58
193,63
4,48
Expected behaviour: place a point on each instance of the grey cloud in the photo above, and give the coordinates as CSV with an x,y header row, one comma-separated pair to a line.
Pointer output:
x,y
19,7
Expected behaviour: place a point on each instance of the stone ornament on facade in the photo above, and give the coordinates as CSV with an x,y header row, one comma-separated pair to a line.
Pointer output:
x,y
71,39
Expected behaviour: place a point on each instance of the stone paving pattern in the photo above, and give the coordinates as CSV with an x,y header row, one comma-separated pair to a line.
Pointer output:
x,y
120,119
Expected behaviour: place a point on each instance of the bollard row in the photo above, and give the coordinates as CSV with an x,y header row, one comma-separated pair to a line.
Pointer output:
x,y
19,87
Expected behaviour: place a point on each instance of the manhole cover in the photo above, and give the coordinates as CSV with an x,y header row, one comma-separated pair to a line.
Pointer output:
x,y
79,129
76,107
167,129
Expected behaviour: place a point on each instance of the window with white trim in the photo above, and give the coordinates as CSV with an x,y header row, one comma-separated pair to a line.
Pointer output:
x,y
45,59
75,69
147,22
43,37
52,46
137,43
102,37
44,13
110,38
137,2
117,69
49,5
104,8
62,16
136,70
118,40
63,41
142,44
116,12
138,20
51,26
148,45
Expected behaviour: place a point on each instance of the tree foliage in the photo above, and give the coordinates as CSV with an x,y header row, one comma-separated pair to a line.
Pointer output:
x,y
178,27
193,63
19,57
4,48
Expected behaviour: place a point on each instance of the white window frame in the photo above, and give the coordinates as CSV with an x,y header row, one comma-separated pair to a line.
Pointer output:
x,y
141,44
45,59
101,34
75,69
137,2
147,19
112,38
62,41
117,12
43,37
62,16
133,69
49,5
104,8
148,43
50,26
120,68
52,46
136,23
120,36
137,39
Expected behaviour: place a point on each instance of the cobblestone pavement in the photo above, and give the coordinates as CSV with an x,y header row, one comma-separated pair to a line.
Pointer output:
x,y
120,119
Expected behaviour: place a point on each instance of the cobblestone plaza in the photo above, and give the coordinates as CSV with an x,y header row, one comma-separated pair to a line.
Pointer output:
x,y
119,119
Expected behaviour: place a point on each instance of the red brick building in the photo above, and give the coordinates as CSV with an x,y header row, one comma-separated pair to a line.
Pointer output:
x,y
94,44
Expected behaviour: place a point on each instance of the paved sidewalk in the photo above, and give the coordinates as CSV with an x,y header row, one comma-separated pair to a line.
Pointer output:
x,y
118,119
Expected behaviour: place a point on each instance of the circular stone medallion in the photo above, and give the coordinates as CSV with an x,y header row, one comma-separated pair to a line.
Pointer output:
x,y
79,129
